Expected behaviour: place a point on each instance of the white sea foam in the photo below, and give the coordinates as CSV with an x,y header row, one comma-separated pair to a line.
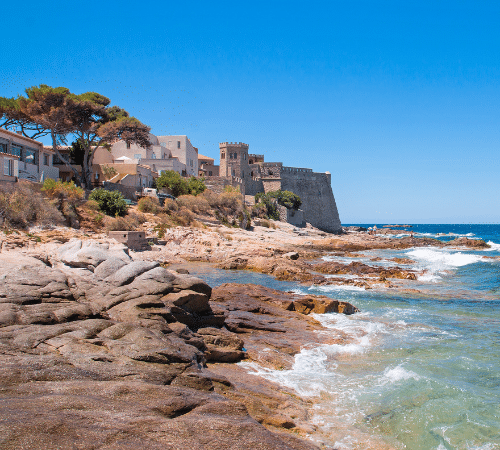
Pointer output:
x,y
493,247
429,277
443,259
398,373
337,287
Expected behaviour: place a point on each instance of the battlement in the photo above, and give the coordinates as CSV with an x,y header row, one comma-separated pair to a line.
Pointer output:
x,y
295,170
233,144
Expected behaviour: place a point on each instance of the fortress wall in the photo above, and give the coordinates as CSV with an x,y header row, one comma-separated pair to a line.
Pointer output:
x,y
315,191
253,187
218,184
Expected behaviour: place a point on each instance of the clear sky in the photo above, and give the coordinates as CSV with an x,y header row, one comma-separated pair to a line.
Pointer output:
x,y
399,100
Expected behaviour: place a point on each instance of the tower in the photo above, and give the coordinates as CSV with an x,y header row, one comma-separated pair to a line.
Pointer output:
x,y
234,160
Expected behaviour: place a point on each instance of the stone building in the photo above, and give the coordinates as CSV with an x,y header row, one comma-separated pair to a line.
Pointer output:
x,y
255,175
206,167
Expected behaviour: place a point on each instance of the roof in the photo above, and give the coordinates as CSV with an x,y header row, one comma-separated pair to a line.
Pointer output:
x,y
123,158
200,156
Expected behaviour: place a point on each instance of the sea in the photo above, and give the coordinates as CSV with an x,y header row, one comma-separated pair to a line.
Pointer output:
x,y
421,369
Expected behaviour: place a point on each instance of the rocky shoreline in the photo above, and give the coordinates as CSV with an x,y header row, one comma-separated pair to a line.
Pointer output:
x,y
102,347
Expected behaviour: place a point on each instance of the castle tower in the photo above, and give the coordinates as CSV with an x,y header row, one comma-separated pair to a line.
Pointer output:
x,y
234,160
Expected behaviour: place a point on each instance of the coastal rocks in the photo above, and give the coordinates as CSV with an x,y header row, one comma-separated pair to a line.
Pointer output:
x,y
291,255
114,350
358,268
465,242
222,345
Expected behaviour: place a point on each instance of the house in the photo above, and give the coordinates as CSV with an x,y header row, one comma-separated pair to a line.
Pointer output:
x,y
25,158
206,167
158,157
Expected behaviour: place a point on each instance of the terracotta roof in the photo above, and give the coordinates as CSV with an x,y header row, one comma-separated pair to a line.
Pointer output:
x,y
200,156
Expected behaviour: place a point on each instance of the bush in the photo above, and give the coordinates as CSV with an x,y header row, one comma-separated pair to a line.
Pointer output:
x,y
21,206
172,180
196,185
170,205
128,223
66,189
149,205
284,198
111,203
198,205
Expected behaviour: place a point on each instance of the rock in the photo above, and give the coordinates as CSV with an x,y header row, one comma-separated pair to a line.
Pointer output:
x,y
109,267
77,253
191,301
183,282
358,268
222,345
127,273
466,242
291,255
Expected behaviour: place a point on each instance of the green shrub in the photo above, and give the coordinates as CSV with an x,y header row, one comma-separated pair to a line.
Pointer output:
x,y
67,189
284,198
111,203
196,185
172,180
149,205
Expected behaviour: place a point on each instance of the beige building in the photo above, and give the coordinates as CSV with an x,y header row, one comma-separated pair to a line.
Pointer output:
x,y
25,158
133,175
181,148
166,153
206,167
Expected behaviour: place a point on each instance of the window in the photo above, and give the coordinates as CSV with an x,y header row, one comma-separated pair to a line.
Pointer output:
x,y
45,160
15,150
128,144
3,148
153,156
31,156
8,167
235,155
222,156
169,144
178,144
191,162
137,156
209,173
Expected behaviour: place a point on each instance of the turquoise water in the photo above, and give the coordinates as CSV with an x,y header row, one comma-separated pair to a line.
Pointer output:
x,y
421,370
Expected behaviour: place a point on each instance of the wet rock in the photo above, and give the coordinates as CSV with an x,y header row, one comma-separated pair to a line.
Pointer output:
x,y
291,255
466,242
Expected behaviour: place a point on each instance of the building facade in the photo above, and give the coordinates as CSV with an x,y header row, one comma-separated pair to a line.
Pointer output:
x,y
166,153
206,167
26,158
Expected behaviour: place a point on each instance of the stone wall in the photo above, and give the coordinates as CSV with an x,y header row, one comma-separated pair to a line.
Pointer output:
x,y
218,184
126,191
315,191
292,216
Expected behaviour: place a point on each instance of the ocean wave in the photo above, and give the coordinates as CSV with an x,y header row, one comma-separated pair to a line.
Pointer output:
x,y
493,247
398,373
443,259
429,277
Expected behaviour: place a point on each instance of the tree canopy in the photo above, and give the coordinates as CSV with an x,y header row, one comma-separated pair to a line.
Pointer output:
x,y
172,180
87,117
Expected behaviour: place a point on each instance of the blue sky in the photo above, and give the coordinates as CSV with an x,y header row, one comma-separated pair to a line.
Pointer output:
x,y
400,101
